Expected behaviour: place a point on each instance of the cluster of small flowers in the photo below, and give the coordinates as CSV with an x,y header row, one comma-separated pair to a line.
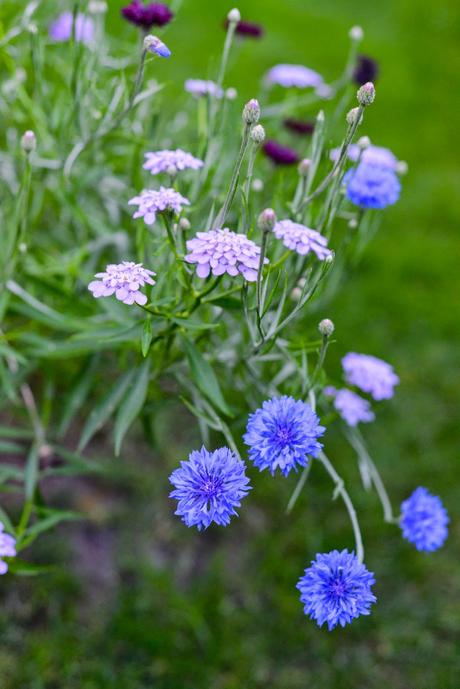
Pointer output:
x,y
7,548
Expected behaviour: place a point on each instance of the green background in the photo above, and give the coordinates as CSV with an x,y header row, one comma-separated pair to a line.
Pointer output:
x,y
141,602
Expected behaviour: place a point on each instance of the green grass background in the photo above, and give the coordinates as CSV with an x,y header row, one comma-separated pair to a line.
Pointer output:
x,y
140,602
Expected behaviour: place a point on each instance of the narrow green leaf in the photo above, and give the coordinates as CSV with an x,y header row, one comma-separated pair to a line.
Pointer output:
x,y
147,336
53,518
27,569
6,521
204,376
132,404
31,472
78,393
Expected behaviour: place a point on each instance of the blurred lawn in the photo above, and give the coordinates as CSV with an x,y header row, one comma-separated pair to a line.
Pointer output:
x,y
156,606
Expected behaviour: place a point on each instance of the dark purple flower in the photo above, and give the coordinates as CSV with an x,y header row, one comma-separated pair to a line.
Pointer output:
x,y
367,69
299,126
146,16
248,29
280,155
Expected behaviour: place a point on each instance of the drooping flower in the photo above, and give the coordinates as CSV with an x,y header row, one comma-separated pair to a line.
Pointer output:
x,y
165,161
7,548
302,239
282,434
155,45
372,155
223,251
352,408
294,76
424,520
146,16
371,186
370,374
336,589
367,69
209,487
124,280
302,127
61,29
247,29
153,201
203,87
280,155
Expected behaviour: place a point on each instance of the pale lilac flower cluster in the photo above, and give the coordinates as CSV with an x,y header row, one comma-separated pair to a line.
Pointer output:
x,y
370,374
124,280
224,251
352,408
166,161
372,155
153,201
7,548
294,75
61,29
203,87
302,239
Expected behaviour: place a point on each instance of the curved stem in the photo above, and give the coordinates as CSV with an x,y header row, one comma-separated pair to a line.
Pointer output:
x,y
220,219
298,489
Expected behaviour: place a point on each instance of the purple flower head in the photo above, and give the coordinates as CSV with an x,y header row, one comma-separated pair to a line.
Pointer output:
x,y
124,280
280,155
223,251
203,87
336,589
7,548
294,75
146,16
370,374
209,487
282,433
372,155
61,29
247,29
164,161
370,186
424,520
155,45
352,408
302,239
367,69
153,201
302,127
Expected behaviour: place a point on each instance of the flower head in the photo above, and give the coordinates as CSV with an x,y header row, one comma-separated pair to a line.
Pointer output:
x,y
146,16
302,127
370,374
247,29
372,155
209,487
163,161
223,251
203,87
7,548
153,201
352,408
302,239
124,280
155,45
424,520
366,69
336,589
61,28
280,155
282,433
294,75
371,186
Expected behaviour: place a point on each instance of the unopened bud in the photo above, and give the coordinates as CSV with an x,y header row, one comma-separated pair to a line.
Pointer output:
x,y
267,220
356,33
184,224
364,142
29,141
353,224
251,112
153,44
231,93
366,93
257,185
330,258
354,116
296,294
326,327
320,117
258,134
234,16
304,167
402,168
171,170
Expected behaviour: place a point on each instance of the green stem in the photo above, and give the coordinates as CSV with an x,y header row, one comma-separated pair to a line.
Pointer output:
x,y
220,219
263,248
298,489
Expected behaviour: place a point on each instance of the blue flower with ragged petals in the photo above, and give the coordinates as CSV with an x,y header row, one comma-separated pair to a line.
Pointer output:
x,y
282,433
372,186
424,520
209,486
336,589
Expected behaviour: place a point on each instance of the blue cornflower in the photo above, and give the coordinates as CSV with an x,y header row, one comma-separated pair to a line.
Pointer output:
x,y
282,433
154,45
336,588
372,186
424,520
209,486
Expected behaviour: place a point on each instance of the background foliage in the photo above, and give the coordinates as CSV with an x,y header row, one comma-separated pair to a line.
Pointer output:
x,y
142,602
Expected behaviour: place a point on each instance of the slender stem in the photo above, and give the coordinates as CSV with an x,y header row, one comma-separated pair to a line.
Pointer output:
x,y
341,490
320,362
227,45
298,489
263,248
220,219
249,174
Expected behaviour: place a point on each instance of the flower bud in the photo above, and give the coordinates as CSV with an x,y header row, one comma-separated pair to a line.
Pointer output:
x,y
234,16
354,116
356,33
402,167
29,141
153,44
353,223
266,220
231,93
304,167
364,142
171,170
326,327
330,258
320,117
258,134
257,185
366,93
251,112
184,224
